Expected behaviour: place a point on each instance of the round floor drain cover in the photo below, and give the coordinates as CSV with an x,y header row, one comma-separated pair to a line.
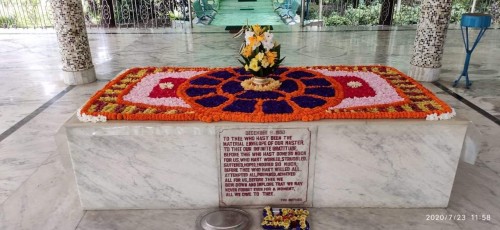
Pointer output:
x,y
228,219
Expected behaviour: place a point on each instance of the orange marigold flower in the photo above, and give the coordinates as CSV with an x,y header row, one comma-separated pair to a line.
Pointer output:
x,y
246,51
253,41
257,29
261,38
271,57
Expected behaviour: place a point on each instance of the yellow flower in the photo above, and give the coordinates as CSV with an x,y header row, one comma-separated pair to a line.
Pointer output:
x,y
246,67
257,29
260,38
266,64
246,51
259,56
252,41
271,57
254,65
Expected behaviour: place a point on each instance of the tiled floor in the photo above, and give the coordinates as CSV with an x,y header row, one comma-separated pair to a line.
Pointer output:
x,y
37,189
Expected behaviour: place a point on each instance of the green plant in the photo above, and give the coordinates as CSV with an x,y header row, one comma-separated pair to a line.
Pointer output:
x,y
457,10
363,15
328,10
336,20
174,15
408,15
7,21
313,12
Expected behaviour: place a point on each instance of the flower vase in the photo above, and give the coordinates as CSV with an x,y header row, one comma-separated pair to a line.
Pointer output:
x,y
261,81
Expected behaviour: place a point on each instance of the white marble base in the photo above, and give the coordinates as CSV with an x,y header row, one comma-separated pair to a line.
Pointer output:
x,y
173,165
79,77
472,145
397,164
136,165
424,74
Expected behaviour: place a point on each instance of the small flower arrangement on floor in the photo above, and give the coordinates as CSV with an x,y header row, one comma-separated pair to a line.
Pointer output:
x,y
285,219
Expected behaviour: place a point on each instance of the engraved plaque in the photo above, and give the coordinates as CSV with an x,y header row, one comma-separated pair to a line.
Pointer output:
x,y
264,166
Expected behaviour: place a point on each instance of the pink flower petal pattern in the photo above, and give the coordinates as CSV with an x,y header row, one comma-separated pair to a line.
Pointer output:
x,y
384,92
140,92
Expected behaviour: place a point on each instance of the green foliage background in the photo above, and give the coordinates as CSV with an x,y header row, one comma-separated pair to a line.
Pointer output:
x,y
408,15
25,13
35,13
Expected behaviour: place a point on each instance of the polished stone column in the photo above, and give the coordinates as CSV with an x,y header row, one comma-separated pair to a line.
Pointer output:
x,y
429,42
73,42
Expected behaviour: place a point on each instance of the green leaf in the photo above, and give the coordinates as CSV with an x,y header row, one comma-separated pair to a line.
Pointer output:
x,y
246,59
241,62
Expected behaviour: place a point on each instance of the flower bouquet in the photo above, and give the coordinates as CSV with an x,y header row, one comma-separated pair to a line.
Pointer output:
x,y
261,55
285,219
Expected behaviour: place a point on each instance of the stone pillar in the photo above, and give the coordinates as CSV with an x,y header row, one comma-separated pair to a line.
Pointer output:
x,y
73,42
429,42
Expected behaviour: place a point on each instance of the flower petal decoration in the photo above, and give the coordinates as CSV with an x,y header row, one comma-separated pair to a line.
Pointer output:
x,y
149,91
305,94
371,89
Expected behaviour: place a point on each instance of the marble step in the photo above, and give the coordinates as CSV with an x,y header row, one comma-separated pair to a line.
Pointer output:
x,y
325,218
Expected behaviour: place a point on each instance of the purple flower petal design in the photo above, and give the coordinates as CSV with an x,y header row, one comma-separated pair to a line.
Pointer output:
x,y
276,107
308,102
213,101
244,106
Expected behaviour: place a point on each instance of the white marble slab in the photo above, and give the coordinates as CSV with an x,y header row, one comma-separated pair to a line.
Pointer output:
x,y
387,164
122,166
174,165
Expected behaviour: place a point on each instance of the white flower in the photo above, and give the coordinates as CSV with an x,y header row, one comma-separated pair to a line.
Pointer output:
x,y
168,85
443,116
248,34
432,117
257,44
268,36
268,41
89,118
354,84
101,118
267,45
